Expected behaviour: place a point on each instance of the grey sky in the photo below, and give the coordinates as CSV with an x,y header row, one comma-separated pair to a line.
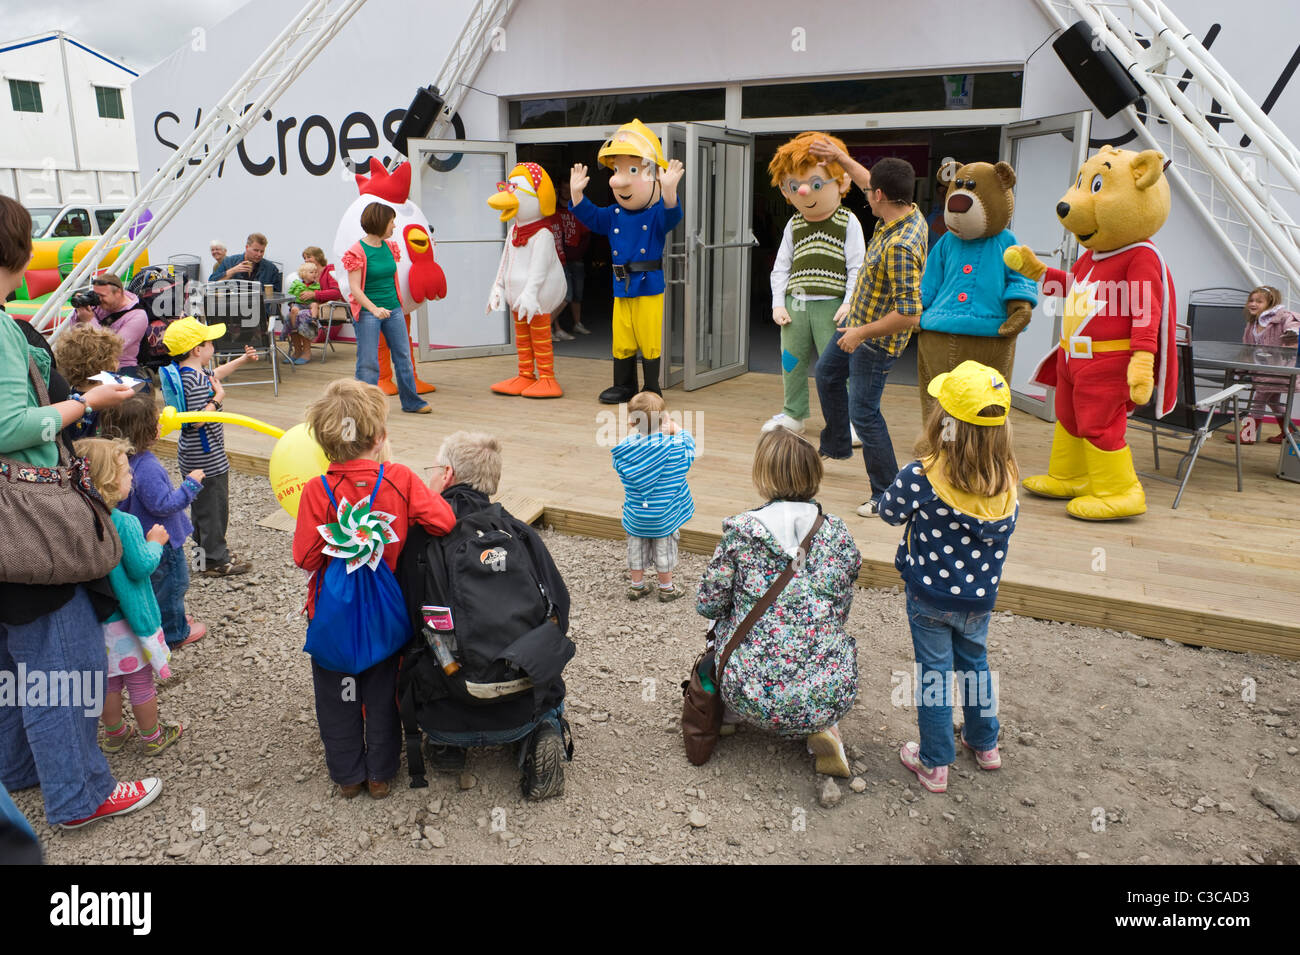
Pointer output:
x,y
138,33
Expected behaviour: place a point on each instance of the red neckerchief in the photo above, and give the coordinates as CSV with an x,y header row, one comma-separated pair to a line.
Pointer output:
x,y
522,233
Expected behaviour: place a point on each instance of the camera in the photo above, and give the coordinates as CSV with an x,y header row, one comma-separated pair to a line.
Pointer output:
x,y
86,298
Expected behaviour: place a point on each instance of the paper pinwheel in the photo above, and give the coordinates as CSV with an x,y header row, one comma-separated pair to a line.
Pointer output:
x,y
359,535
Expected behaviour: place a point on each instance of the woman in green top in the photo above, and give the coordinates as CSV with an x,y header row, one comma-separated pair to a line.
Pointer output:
x,y
371,265
50,629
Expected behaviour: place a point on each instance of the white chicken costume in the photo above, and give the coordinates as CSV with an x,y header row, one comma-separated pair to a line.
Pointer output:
x,y
420,279
530,280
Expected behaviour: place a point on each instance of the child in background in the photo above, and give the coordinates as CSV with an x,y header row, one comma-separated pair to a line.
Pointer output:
x,y
304,320
1267,324
133,635
153,500
357,715
652,464
958,503
83,350
203,447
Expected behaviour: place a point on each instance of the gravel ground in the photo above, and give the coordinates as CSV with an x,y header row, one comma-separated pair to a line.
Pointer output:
x,y
1116,749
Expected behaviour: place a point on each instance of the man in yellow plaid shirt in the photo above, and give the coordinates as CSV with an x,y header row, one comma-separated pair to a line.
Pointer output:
x,y
886,307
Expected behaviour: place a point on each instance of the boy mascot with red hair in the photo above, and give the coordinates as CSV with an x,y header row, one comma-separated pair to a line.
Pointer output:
x,y
1117,333
817,263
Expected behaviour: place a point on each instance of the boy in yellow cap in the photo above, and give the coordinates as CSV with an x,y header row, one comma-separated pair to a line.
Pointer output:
x,y
645,190
958,503
203,446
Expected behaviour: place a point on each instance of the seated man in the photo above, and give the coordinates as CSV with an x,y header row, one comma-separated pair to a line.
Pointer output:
x,y
249,266
492,614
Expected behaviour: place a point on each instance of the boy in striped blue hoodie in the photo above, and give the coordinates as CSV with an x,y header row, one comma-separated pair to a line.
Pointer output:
x,y
652,463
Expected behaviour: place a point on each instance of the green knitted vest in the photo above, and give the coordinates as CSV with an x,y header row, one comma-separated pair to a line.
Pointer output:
x,y
818,265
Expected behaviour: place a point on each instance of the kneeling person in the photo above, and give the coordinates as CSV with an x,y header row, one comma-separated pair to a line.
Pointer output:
x,y
491,614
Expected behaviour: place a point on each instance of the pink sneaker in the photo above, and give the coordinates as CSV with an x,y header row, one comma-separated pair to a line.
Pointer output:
x,y
935,780
984,758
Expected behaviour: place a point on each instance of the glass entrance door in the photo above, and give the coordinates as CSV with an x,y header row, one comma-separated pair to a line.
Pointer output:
x,y
673,370
469,240
1046,154
718,192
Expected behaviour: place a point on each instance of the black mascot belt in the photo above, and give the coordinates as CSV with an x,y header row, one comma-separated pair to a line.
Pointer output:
x,y
623,273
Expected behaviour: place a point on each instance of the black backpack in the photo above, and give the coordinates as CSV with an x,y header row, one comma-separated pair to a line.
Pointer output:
x,y
503,626
156,287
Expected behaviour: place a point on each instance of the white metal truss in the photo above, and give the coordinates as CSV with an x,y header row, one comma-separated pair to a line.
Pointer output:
x,y
225,126
1239,169
483,32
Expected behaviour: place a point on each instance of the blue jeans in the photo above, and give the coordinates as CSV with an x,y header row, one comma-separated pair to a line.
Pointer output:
x,y
170,582
368,328
54,745
951,643
865,369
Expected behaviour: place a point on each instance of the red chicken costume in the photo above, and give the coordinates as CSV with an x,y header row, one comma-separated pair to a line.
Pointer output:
x,y
1117,332
419,277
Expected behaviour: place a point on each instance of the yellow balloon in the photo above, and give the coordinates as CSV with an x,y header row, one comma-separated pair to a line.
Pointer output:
x,y
296,460
172,420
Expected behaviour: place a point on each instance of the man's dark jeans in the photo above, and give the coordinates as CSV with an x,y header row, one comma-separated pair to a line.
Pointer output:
x,y
865,369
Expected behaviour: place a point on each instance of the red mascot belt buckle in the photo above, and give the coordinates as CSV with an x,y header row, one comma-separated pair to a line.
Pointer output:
x,y
1080,346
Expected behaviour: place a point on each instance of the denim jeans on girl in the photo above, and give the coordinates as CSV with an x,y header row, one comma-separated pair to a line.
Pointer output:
x,y
52,743
368,329
949,643
170,582
865,369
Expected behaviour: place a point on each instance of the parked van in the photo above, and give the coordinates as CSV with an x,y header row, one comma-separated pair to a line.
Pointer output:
x,y
74,219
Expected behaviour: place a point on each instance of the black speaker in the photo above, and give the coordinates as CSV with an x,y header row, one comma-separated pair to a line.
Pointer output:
x,y
1097,72
419,117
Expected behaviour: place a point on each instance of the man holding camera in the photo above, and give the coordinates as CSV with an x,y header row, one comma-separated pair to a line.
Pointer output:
x,y
109,305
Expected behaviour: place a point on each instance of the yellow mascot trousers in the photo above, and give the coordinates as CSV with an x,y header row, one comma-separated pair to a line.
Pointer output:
x,y
638,324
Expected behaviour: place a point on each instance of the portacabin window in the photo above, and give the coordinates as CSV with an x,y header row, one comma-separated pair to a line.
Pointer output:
x,y
25,96
109,102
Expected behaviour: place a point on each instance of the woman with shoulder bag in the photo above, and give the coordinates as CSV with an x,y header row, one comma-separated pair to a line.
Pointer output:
x,y
796,672
49,608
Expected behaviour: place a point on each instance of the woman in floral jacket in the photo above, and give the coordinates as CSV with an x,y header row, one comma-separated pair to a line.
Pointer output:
x,y
797,672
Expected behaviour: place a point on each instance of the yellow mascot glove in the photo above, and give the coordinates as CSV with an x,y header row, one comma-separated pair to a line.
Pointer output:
x,y
1021,258
1141,378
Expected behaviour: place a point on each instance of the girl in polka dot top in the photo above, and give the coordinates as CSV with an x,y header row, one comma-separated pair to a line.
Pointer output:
x,y
957,506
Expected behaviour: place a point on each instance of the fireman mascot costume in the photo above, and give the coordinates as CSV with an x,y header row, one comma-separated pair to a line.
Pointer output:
x,y
530,279
646,209
1117,331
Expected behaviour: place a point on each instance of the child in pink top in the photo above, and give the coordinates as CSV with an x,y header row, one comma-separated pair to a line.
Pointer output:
x,y
1268,324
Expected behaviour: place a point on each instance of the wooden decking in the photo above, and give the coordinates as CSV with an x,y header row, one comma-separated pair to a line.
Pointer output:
x,y
1220,571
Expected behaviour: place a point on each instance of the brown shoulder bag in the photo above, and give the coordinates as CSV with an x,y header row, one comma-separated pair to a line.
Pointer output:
x,y
54,526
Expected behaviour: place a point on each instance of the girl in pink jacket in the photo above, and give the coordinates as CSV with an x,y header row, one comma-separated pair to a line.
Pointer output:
x,y
1267,324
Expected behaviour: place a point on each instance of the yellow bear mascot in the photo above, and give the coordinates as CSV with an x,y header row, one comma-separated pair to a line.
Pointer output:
x,y
1117,331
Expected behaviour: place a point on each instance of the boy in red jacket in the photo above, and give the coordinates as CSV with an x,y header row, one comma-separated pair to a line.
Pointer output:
x,y
349,422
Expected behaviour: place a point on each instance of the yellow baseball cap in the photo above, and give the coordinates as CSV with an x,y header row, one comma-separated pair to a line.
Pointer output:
x,y
186,333
970,388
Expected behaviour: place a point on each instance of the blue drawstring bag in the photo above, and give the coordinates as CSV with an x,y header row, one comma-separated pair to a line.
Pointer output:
x,y
360,617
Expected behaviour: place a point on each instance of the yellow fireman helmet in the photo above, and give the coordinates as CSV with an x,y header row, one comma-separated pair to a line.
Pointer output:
x,y
632,139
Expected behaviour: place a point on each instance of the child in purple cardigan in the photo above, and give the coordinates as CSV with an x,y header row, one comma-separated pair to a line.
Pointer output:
x,y
154,501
